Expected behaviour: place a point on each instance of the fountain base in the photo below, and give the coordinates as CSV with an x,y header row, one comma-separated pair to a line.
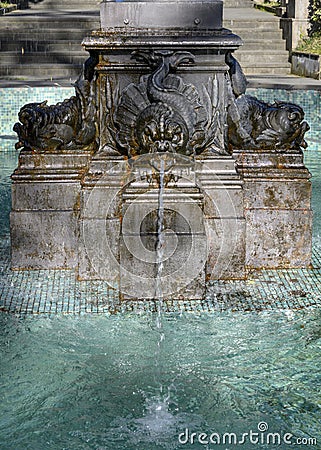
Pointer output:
x,y
86,193
224,215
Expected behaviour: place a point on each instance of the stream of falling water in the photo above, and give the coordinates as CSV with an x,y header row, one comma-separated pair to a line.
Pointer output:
x,y
159,420
160,242
162,406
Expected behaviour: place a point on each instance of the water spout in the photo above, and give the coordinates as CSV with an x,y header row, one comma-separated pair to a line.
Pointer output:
x,y
160,244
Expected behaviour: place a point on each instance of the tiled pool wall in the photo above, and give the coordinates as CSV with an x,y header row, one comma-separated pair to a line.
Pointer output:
x,y
12,99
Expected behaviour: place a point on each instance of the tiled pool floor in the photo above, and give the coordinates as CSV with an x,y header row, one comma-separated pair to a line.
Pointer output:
x,y
55,292
59,292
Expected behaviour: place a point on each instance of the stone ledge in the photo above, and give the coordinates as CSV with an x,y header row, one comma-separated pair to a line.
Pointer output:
x,y
306,65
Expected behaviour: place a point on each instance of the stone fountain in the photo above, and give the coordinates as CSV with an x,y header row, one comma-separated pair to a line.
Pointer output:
x,y
161,106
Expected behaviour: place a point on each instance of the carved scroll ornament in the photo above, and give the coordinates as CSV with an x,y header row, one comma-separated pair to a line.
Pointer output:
x,y
162,113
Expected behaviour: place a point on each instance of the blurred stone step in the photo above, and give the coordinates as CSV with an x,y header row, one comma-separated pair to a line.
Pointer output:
x,y
43,35
262,67
45,71
262,35
265,64
237,3
30,45
254,57
52,22
73,71
278,71
66,57
66,4
263,45
249,24
76,36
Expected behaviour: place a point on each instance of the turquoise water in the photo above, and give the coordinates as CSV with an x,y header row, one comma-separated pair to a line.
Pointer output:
x,y
106,382
92,383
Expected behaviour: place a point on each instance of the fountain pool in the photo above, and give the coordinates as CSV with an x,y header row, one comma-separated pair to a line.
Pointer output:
x,y
90,382
99,381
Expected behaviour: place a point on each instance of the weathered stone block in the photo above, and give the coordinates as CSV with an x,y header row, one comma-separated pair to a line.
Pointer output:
x,y
47,195
99,249
45,208
183,261
68,161
226,248
305,64
275,194
182,216
44,239
223,202
221,186
101,202
278,238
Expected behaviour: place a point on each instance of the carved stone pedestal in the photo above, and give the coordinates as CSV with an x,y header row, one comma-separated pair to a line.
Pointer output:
x,y
137,180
